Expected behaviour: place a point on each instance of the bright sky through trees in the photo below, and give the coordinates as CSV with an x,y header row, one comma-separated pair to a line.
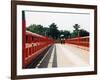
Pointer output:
x,y
64,21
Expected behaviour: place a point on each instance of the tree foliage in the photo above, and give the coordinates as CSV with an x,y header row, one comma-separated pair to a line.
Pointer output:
x,y
53,32
76,27
66,34
36,29
78,32
83,33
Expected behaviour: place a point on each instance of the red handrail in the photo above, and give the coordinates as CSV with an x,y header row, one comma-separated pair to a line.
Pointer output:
x,y
81,41
34,45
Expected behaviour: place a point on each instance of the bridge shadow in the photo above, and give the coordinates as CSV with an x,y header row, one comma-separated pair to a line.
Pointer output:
x,y
45,62
54,64
34,63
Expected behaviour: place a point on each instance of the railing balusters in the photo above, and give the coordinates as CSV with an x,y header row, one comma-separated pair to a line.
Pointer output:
x,y
34,43
81,41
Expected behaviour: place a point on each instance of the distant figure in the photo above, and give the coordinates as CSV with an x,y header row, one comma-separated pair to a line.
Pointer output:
x,y
62,41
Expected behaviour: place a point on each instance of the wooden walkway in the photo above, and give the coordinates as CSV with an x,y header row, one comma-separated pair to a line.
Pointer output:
x,y
64,55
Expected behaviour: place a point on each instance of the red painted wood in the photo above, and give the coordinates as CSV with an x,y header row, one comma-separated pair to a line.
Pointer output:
x,y
81,41
34,46
23,37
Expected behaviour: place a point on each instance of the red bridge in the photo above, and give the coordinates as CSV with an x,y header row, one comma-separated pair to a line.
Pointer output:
x,y
41,51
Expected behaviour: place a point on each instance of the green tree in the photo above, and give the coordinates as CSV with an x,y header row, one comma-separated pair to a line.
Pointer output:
x,y
76,30
83,33
76,27
65,33
53,32
46,31
35,28
79,32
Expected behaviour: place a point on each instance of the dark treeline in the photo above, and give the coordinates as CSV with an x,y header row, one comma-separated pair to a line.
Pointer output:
x,y
53,32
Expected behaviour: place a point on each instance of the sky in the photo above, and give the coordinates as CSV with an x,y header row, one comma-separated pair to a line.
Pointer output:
x,y
64,21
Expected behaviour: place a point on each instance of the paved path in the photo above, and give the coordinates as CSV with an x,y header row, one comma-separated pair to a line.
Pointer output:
x,y
64,55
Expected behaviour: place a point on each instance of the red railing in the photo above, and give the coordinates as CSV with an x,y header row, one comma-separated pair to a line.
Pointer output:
x,y
81,41
34,45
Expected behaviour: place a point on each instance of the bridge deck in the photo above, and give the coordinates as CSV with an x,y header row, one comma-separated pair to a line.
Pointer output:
x,y
61,55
